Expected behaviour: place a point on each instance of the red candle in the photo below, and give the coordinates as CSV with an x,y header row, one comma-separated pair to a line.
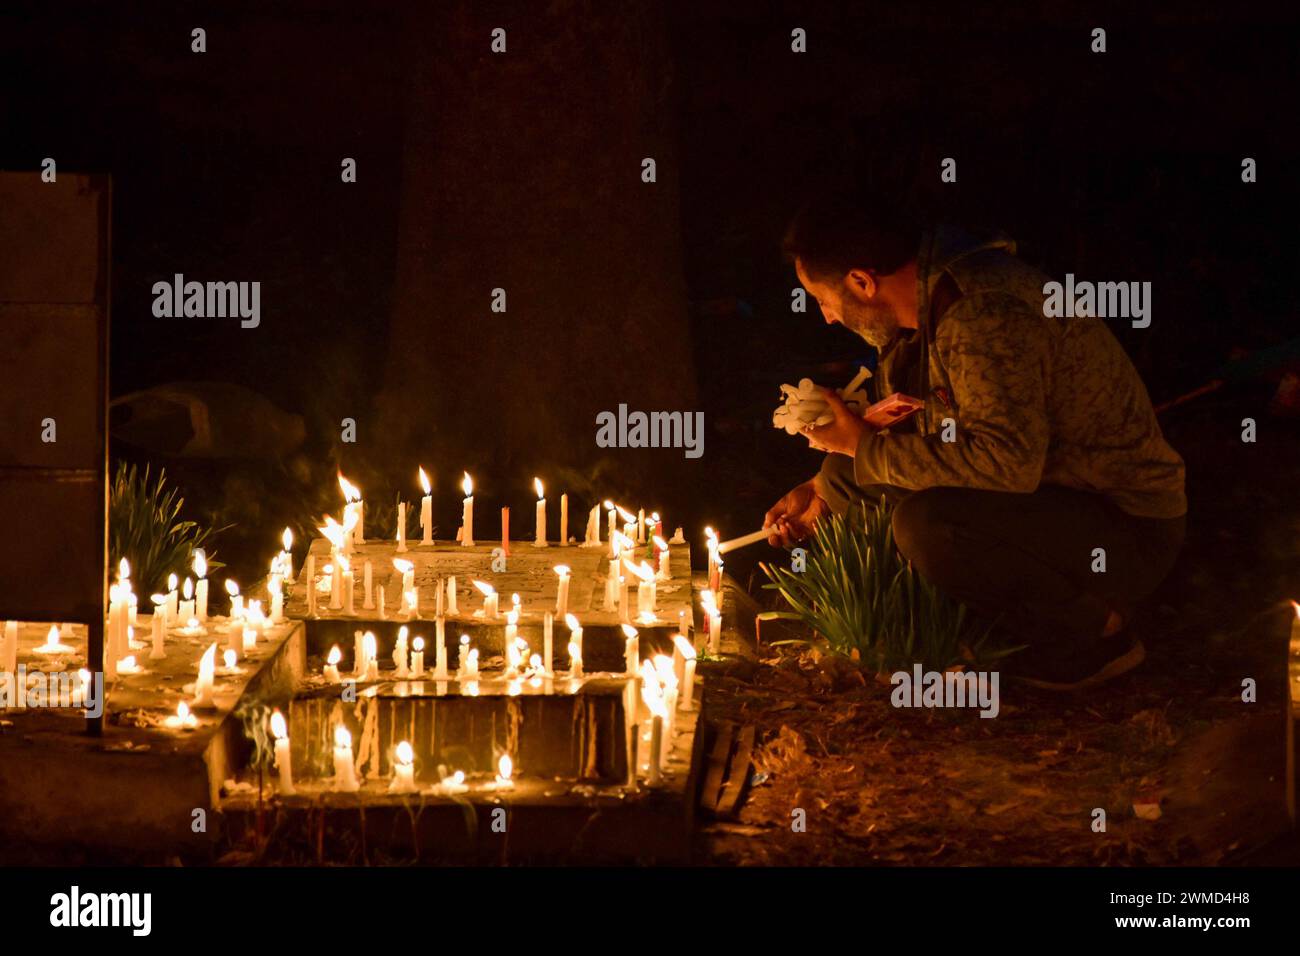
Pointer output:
x,y
505,531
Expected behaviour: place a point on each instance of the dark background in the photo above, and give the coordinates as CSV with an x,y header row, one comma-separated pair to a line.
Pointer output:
x,y
1118,166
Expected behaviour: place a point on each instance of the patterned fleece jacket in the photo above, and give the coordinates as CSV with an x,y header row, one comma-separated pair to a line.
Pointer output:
x,y
1034,400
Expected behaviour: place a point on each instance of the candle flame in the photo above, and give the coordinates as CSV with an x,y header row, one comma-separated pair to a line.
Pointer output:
x,y
124,568
403,565
505,767
335,655
418,644
405,755
664,668
344,563
402,633
486,589
562,570
609,505
350,491
642,571
708,602
188,590
370,644
424,479
278,728
127,663
158,598
342,738
229,658
333,532
626,515
467,485
1296,605
182,712
684,647
660,543
232,588
286,539
171,582
572,621
200,563
537,483
208,663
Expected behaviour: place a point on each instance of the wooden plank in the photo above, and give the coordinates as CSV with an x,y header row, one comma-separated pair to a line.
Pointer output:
x,y
711,790
737,773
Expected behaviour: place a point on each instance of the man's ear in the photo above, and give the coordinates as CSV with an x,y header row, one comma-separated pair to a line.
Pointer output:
x,y
860,284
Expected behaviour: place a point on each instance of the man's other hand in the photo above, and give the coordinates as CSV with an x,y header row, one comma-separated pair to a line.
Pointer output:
x,y
793,517
843,434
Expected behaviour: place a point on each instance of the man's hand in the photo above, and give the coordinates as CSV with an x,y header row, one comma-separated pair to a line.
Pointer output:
x,y
843,434
793,517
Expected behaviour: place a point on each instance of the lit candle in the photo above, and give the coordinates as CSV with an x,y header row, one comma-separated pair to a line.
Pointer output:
x,y
201,588
403,770
631,649
250,640
332,665
426,510
505,773
417,657
548,642
172,604
286,539
562,594
440,648
277,599
575,643
183,719
683,625
539,540
370,644
591,539
187,605
354,509
714,618
408,573
489,599
462,655
471,663
281,734
665,570
611,586
682,647
79,688
53,645
467,514
564,520
715,561
345,773
368,575
204,685
401,526
128,667
640,526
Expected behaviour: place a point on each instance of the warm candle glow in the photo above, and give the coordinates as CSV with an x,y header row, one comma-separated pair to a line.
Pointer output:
x,y
286,539
417,645
350,491
188,590
486,589
335,655
424,481
342,739
278,728
537,483
467,485
562,570
123,569
229,658
232,588
505,767
171,582
405,755
572,621
403,565
200,563
684,647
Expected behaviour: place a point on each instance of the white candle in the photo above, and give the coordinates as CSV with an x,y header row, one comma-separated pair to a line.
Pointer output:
x,y
403,770
640,526
656,749
159,633
417,657
369,644
286,539
345,774
336,582
462,655
467,514
426,509
408,573
591,538
564,520
631,650
399,651
440,648
575,641
309,578
401,526
380,604
332,665
412,598
277,599
471,663
490,600
686,700
665,570
53,645
548,642
575,659
250,640
539,540
349,592
451,595
187,605
562,593
282,762
183,719
172,604
368,575
353,513
613,545
203,686
505,772
201,588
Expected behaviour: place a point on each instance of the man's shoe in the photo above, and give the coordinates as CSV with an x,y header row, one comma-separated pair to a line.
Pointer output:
x,y
1065,669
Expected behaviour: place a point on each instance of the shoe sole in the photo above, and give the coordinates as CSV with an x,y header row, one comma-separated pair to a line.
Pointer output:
x,y
1126,662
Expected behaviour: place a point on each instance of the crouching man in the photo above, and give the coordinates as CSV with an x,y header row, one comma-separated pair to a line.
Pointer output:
x,y
1034,483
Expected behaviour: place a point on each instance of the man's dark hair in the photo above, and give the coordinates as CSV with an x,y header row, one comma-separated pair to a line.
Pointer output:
x,y
849,227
